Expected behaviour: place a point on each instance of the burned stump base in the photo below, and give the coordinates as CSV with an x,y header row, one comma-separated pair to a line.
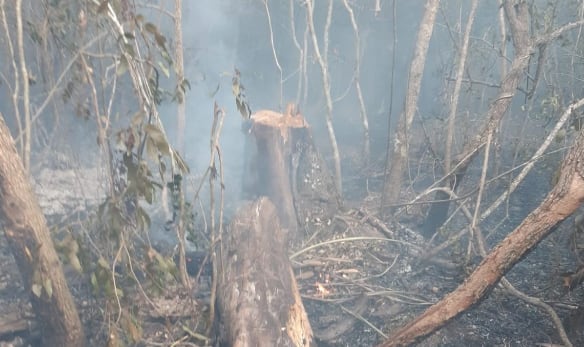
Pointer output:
x,y
258,301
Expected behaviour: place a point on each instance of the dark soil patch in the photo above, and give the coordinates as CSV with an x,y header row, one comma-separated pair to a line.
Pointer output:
x,y
359,278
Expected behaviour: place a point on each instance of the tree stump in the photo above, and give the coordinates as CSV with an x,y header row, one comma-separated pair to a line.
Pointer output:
x,y
258,300
287,168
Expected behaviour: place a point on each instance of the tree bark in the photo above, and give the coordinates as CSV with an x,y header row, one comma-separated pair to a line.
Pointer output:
x,y
561,202
288,169
439,210
393,180
518,17
181,125
258,300
31,244
322,59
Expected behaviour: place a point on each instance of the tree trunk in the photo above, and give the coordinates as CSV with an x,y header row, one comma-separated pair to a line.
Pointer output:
x,y
258,300
180,76
561,202
288,169
439,210
31,244
322,59
393,181
181,124
519,23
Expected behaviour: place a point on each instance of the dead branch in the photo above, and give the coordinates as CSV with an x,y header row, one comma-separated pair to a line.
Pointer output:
x,y
323,62
562,201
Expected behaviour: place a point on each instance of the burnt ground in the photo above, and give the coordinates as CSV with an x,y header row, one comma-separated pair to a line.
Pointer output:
x,y
359,277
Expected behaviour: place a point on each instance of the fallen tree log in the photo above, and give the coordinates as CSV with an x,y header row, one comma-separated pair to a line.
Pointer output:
x,y
561,202
258,301
16,323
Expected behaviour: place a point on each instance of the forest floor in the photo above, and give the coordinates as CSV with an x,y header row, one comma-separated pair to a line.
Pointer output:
x,y
359,278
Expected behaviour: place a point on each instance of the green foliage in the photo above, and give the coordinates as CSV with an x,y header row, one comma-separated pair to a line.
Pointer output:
x,y
239,92
181,90
41,284
102,281
70,250
182,210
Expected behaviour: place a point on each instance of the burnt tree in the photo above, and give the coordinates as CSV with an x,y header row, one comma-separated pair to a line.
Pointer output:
x,y
287,168
258,300
29,238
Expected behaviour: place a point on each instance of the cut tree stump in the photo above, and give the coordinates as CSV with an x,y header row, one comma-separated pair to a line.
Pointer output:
x,y
287,168
257,297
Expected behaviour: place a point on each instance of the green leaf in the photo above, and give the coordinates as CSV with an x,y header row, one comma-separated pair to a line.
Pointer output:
x,y
48,285
94,283
155,133
164,69
75,263
103,263
143,218
179,161
36,276
37,290
129,49
185,84
137,118
149,195
151,28
160,40
158,139
151,150
122,67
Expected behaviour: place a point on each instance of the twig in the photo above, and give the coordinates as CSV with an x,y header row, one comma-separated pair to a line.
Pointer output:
x,y
274,53
352,239
475,222
362,108
358,316
542,305
324,68
456,92
16,90
301,50
218,116
25,87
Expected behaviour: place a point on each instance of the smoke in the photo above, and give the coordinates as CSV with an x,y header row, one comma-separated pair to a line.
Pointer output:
x,y
210,44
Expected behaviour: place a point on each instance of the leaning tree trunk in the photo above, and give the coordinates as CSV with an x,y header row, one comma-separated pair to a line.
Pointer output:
x,y
258,300
393,181
561,202
31,244
439,210
518,17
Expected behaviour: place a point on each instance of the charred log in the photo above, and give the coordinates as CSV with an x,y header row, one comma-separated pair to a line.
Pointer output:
x,y
258,300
